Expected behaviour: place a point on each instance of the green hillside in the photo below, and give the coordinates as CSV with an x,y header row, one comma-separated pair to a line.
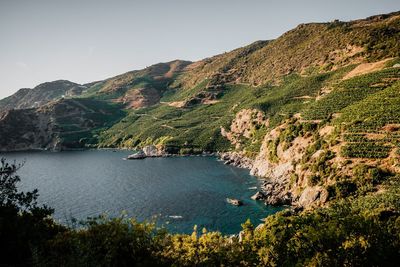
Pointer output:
x,y
314,113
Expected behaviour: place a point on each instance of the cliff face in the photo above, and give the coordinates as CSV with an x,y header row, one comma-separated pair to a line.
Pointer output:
x,y
58,125
333,147
311,112
26,130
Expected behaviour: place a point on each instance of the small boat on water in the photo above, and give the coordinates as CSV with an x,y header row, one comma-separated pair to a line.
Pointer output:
x,y
234,201
137,155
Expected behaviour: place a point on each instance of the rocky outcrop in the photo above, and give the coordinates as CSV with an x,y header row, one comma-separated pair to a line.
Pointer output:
x,y
277,162
234,201
313,196
26,129
236,159
203,97
276,193
258,196
148,151
153,151
59,125
138,155
243,126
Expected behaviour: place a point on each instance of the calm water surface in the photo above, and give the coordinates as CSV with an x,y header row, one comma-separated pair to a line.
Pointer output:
x,y
179,191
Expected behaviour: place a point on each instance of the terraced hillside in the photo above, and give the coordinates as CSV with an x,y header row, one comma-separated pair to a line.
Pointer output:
x,y
315,114
305,110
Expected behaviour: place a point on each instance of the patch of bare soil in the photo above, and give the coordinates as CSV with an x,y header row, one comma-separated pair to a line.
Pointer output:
x,y
177,104
138,98
391,128
374,136
167,126
324,91
174,67
326,130
209,101
303,97
365,68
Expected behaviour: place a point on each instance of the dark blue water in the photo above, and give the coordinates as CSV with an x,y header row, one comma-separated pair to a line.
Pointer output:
x,y
179,191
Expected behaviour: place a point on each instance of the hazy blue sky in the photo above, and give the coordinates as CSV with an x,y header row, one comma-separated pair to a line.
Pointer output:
x,y
83,41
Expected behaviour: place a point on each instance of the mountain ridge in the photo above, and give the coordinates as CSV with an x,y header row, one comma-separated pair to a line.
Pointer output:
x,y
291,109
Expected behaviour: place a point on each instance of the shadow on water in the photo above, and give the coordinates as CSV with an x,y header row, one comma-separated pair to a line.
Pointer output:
x,y
179,192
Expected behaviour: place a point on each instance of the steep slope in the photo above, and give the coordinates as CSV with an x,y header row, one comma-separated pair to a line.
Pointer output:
x,y
41,95
135,89
312,111
138,89
58,125
312,47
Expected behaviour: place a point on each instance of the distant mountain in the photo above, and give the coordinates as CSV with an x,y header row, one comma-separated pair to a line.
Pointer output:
x,y
41,94
304,109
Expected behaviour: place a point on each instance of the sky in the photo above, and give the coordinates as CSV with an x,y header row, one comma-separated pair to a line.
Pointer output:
x,y
89,40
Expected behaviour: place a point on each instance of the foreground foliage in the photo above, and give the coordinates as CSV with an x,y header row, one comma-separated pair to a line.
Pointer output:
x,y
356,231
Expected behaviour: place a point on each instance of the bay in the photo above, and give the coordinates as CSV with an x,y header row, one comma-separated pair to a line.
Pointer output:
x,y
176,192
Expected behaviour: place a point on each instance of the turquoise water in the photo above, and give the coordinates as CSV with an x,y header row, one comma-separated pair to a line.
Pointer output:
x,y
179,192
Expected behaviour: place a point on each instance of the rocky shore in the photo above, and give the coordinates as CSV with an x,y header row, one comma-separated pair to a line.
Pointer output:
x,y
152,151
273,191
236,159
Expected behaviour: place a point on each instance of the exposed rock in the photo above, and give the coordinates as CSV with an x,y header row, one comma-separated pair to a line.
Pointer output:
x,y
203,97
235,202
276,193
241,236
313,196
152,151
48,127
233,238
27,130
138,155
245,122
279,189
258,196
236,159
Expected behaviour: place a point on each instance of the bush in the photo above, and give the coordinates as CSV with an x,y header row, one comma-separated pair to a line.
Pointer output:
x,y
352,231
24,226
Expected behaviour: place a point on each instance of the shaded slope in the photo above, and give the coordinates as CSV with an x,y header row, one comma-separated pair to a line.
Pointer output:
x,y
41,95
62,124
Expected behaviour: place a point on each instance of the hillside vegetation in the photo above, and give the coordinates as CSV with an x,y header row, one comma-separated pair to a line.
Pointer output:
x,y
315,113
362,231
325,90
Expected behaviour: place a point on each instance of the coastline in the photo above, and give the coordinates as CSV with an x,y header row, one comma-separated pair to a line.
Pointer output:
x,y
272,192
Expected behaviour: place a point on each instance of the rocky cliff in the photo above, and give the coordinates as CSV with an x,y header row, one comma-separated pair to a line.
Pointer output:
x,y
58,125
311,112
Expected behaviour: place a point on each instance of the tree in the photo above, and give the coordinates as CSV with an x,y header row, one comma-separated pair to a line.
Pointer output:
x,y
24,226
